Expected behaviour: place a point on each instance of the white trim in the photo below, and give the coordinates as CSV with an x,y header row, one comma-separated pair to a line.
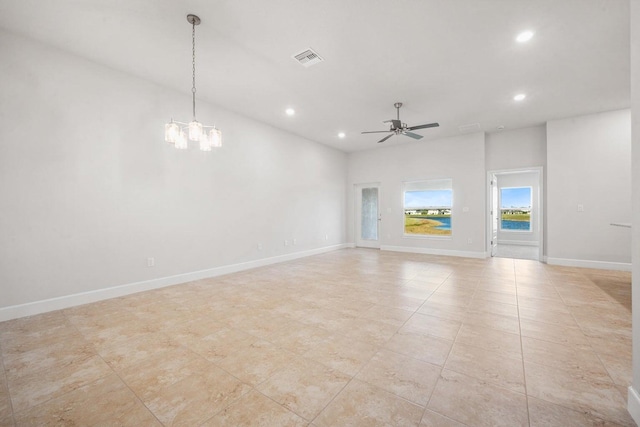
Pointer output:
x,y
489,217
602,265
633,404
43,306
431,251
518,242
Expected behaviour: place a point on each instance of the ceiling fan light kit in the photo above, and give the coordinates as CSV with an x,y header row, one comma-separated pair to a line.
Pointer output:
x,y
179,133
399,128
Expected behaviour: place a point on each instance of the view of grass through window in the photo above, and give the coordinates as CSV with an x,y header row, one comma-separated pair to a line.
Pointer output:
x,y
427,207
515,208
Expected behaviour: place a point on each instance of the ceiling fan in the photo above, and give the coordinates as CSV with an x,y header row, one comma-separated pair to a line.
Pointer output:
x,y
399,128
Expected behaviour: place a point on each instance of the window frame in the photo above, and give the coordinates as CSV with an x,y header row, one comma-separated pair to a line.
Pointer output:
x,y
507,230
433,184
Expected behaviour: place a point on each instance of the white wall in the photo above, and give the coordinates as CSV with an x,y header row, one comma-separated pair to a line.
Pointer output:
x,y
460,158
589,163
634,399
89,189
516,149
522,179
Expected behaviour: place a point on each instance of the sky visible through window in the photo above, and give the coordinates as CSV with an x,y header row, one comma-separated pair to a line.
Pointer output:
x,y
515,197
428,198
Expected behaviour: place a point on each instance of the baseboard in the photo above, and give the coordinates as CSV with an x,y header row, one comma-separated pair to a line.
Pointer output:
x,y
633,404
52,304
432,251
602,265
518,242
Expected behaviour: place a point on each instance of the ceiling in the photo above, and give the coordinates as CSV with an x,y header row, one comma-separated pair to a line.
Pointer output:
x,y
452,61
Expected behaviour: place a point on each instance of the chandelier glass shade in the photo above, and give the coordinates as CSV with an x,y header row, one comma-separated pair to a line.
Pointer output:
x,y
180,133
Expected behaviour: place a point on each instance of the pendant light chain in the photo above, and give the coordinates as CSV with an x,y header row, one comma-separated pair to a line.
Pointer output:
x,y
193,59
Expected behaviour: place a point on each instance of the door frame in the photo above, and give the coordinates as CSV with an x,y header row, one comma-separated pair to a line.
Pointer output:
x,y
357,191
539,198
494,201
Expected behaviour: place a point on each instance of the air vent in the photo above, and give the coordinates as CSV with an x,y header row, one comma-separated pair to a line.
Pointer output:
x,y
307,58
473,127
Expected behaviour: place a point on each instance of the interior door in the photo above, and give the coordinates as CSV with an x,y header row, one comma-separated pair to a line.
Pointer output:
x,y
368,216
495,214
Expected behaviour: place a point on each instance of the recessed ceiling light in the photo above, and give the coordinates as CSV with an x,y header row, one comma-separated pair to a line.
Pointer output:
x,y
519,97
290,111
341,135
524,36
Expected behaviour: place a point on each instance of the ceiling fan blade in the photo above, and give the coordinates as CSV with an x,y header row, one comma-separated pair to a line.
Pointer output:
x,y
378,131
412,135
430,125
385,138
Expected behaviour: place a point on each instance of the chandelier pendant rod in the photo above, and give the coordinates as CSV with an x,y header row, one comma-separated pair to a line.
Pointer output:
x,y
193,62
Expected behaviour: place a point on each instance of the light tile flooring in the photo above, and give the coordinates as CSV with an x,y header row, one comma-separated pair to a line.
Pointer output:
x,y
517,251
353,337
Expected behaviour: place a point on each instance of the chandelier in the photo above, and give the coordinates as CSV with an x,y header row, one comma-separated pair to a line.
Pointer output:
x,y
176,132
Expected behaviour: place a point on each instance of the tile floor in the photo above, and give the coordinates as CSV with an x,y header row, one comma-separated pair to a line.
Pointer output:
x,y
354,337
517,251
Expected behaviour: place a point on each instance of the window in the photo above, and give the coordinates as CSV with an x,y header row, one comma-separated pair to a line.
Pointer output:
x,y
515,208
427,207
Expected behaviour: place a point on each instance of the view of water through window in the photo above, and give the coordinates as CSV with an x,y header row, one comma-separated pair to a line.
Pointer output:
x,y
515,208
427,210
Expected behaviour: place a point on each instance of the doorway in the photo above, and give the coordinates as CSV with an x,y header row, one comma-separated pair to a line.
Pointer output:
x,y
368,217
515,217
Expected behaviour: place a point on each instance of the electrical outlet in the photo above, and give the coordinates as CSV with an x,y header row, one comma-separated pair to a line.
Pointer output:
x,y
259,246
286,243
580,208
469,241
151,262
326,237
295,241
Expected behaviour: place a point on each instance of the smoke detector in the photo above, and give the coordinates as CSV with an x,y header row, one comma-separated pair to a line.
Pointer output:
x,y
307,57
